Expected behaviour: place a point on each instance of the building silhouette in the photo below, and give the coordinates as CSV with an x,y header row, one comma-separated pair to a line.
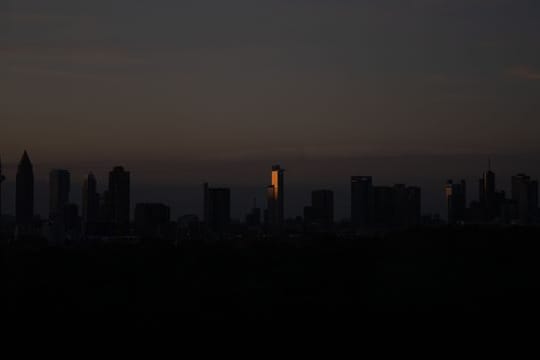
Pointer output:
x,y
524,198
118,198
322,202
407,205
217,208
2,179
24,198
152,220
456,200
59,188
488,195
90,200
276,199
321,210
362,197
382,210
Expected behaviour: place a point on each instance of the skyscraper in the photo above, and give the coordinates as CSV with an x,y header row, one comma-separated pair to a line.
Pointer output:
x,y
382,207
407,208
24,198
119,196
59,188
525,198
90,200
276,199
456,198
2,179
361,200
217,208
487,194
322,204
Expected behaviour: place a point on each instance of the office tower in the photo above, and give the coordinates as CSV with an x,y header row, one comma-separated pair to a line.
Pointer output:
x,y
152,220
456,199
24,198
276,199
59,188
118,201
488,195
90,200
525,198
361,200
382,210
407,207
2,179
217,208
322,207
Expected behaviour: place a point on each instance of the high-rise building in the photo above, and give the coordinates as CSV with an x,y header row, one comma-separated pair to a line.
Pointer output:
x,y
119,197
276,198
525,198
2,179
24,199
217,208
90,200
456,199
362,196
321,210
382,210
322,207
407,208
59,188
488,195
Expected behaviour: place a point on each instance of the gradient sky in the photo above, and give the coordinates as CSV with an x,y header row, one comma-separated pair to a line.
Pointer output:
x,y
160,85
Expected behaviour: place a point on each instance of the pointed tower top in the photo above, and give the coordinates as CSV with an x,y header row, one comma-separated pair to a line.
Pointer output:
x,y
25,160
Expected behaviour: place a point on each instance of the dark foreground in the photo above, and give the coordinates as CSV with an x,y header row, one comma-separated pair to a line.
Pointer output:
x,y
444,270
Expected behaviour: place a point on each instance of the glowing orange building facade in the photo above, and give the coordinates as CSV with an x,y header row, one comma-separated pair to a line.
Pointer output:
x,y
275,194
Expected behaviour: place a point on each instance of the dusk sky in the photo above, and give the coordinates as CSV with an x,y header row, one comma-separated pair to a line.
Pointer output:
x,y
186,91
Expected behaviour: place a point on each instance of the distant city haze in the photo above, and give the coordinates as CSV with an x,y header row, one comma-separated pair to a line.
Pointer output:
x,y
186,92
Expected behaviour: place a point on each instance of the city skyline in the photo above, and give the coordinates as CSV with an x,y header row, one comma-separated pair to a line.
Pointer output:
x,y
484,203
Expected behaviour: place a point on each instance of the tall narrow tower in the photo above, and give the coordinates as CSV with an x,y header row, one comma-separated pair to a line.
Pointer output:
x,y
24,199
90,200
2,179
487,193
276,199
59,188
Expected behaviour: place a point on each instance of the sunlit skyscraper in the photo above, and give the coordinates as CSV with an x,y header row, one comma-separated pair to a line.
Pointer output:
x,y
276,200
